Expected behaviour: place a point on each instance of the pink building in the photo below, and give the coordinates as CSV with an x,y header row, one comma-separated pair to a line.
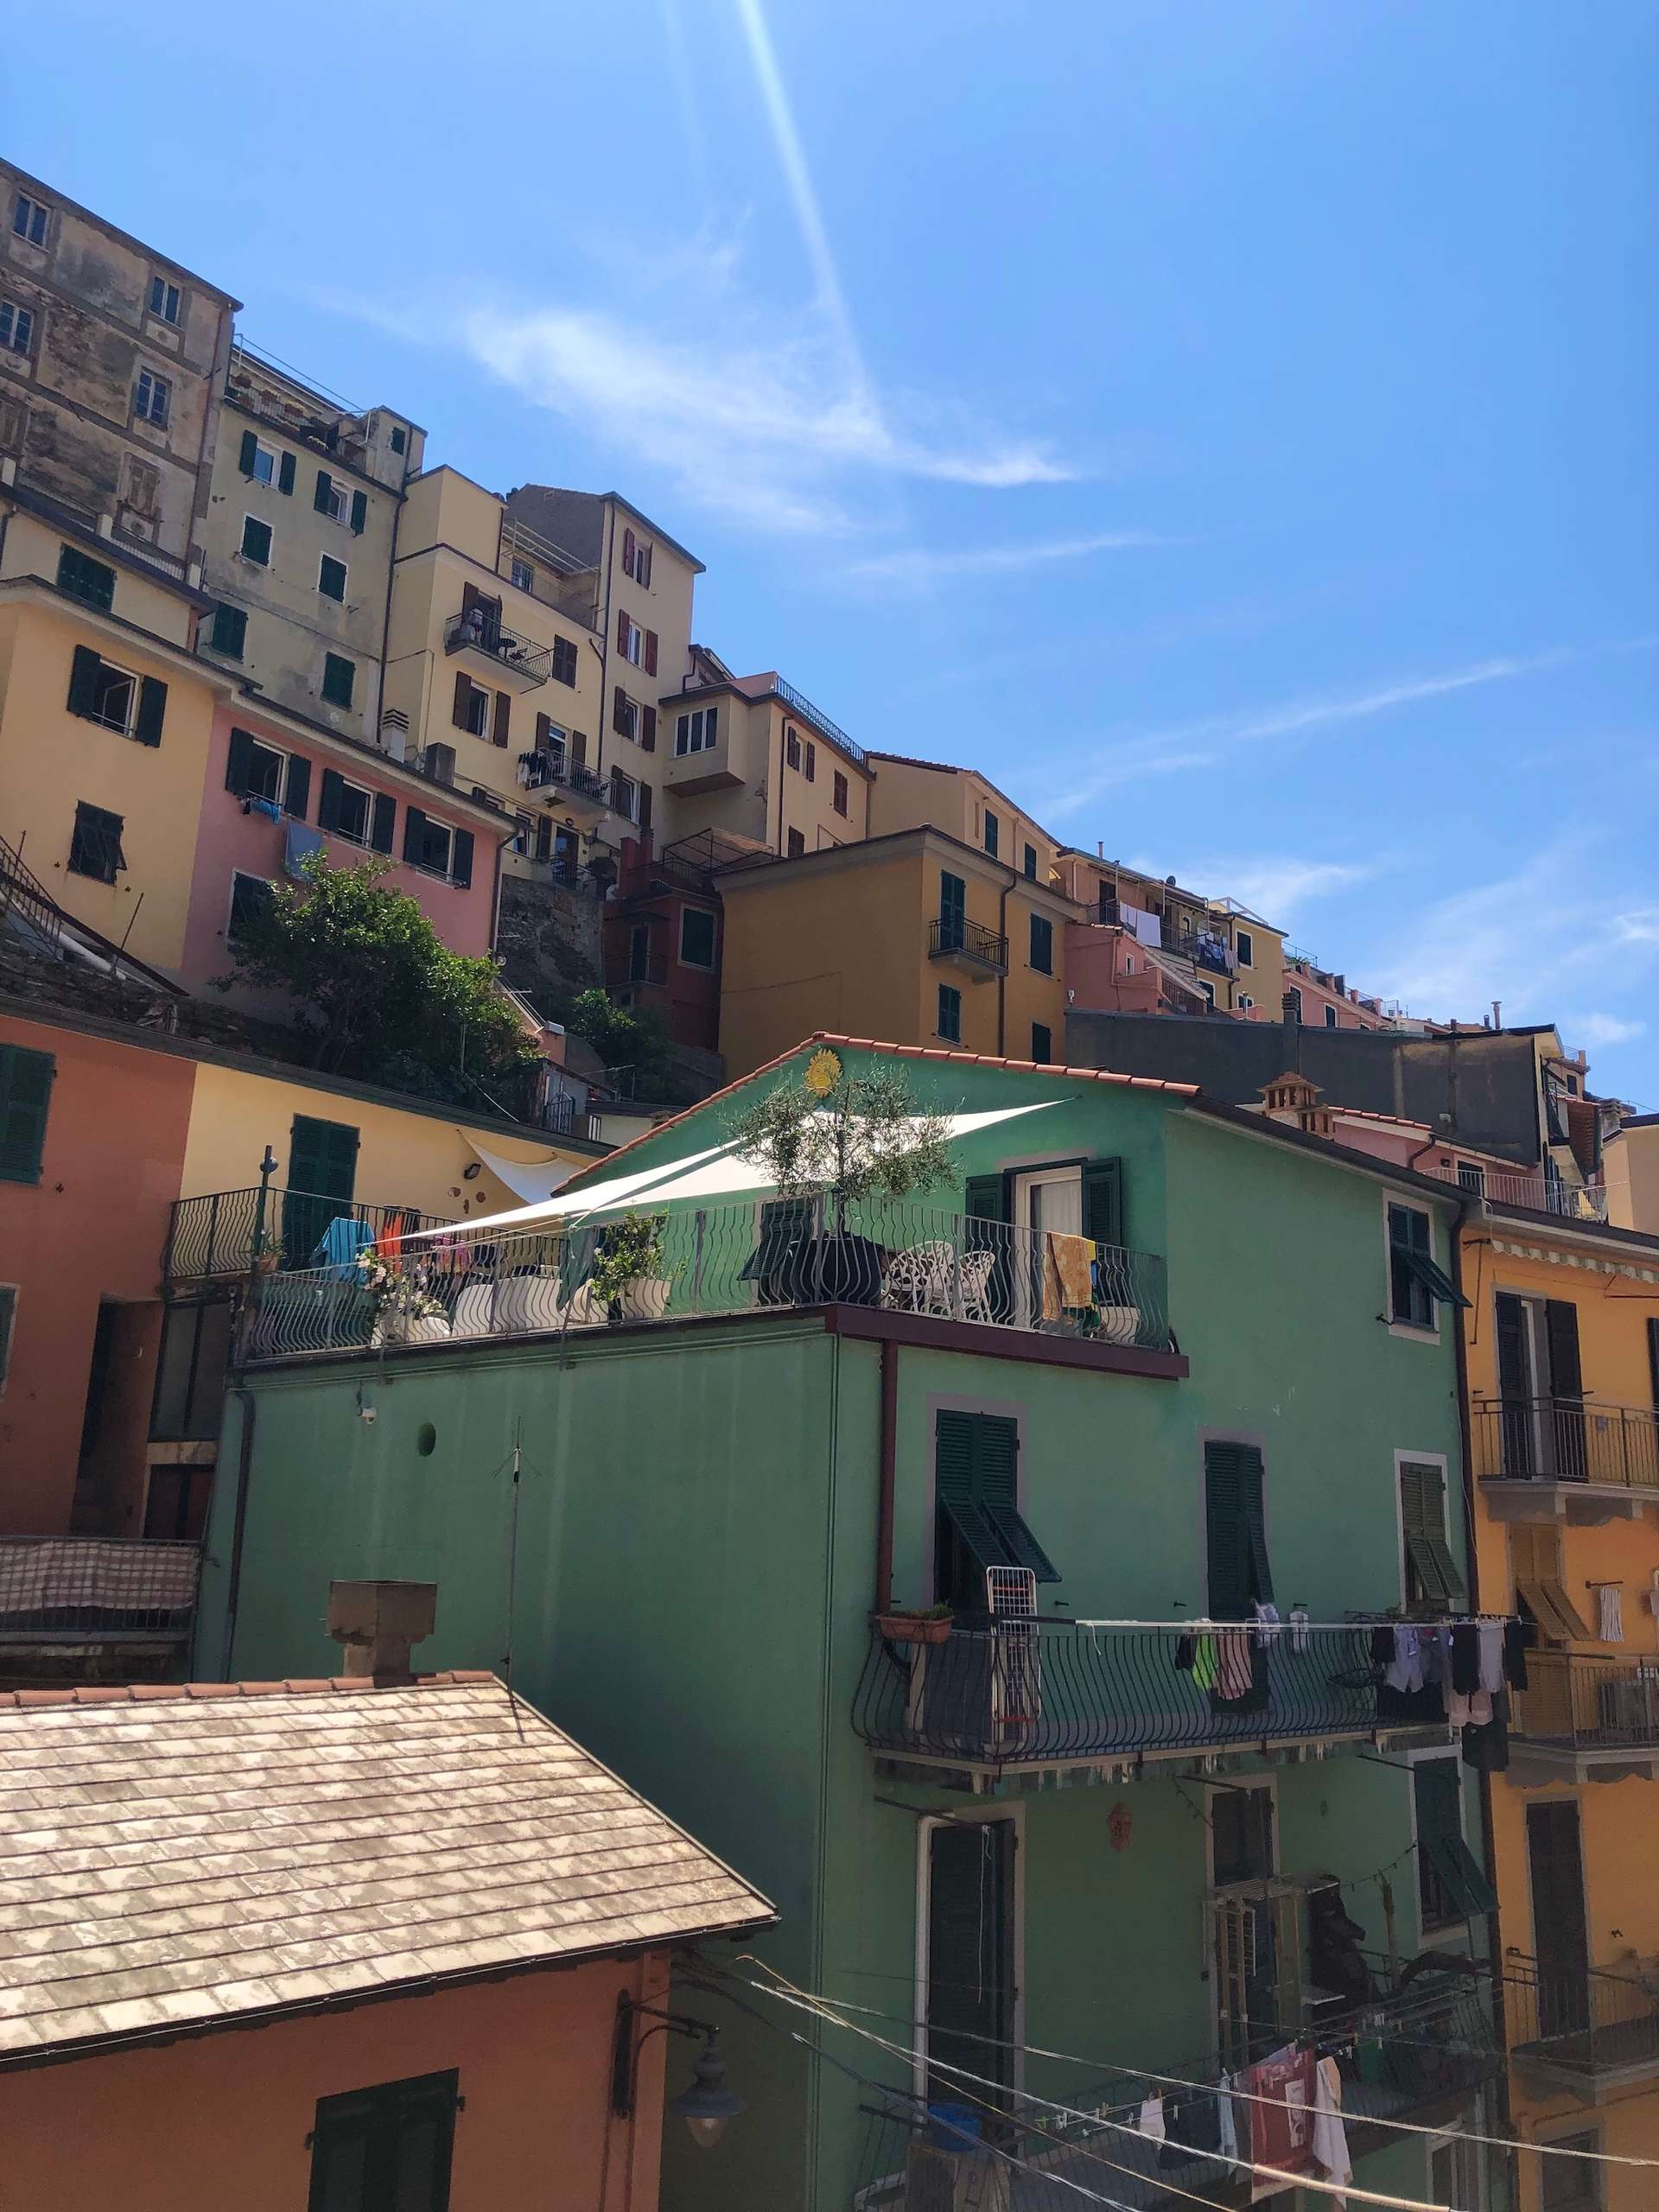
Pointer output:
x,y
278,788
1326,1000
1108,969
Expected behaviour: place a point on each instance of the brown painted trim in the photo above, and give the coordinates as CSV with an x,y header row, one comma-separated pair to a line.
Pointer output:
x,y
875,1324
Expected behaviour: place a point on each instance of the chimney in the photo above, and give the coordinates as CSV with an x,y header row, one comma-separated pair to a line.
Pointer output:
x,y
375,1623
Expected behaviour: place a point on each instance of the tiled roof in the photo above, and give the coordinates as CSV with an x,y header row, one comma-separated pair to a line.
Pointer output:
x,y
180,1858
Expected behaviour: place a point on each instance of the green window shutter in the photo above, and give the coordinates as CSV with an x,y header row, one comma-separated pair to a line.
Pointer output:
x,y
86,579
359,512
83,682
339,679
953,906
249,449
297,797
25,1093
334,791
997,1476
414,832
285,475
323,498
384,814
1235,1531
1422,1518
241,758
461,859
1103,1201
986,1197
152,711
230,631
323,1158
1561,1332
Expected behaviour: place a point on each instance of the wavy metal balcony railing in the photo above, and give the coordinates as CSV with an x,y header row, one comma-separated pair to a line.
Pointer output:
x,y
953,937
520,656
216,1234
1566,1441
64,1589
1575,1702
736,1259
1051,1691
1587,2020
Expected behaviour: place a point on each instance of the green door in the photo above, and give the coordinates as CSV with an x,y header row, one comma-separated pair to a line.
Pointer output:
x,y
322,1182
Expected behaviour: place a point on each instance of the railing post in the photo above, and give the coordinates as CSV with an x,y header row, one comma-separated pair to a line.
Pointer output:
x,y
700,1221
956,1265
212,1232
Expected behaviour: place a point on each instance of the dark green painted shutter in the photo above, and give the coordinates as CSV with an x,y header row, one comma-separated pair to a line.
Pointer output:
x,y
953,907
1653,1360
230,631
359,512
333,790
1103,1201
323,499
83,681
25,1093
1561,1328
985,1200
414,833
240,761
986,1197
297,797
152,711
1514,1380
250,452
461,859
321,1180
385,811
1422,1518
975,1472
285,475
1236,1531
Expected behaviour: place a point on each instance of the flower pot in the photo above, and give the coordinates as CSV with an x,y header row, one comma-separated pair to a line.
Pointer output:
x,y
646,1299
1118,1324
915,1628
394,1328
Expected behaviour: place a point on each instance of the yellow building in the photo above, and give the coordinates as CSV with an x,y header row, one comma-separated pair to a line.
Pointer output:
x,y
748,757
1217,948
914,794
914,938
1562,1340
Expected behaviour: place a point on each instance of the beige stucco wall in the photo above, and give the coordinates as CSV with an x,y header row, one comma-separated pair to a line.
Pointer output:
x,y
910,795
1630,1170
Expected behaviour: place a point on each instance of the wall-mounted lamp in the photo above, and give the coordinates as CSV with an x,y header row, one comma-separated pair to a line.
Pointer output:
x,y
707,2105
470,1174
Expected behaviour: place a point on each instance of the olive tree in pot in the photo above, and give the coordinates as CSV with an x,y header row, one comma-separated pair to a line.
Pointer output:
x,y
627,1281
841,1139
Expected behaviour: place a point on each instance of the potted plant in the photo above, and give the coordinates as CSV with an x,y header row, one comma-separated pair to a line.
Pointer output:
x,y
267,1252
627,1279
840,1139
916,1625
405,1310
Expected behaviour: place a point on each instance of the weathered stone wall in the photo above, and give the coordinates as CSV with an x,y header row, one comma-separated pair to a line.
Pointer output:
x,y
549,940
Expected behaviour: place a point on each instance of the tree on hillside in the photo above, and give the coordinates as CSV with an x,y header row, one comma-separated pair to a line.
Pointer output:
x,y
379,996
630,1041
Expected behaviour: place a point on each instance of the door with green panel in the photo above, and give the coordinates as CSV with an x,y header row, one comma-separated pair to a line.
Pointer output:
x,y
322,1184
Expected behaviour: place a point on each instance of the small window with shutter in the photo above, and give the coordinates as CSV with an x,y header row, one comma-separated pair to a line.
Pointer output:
x,y
977,1522
1240,1577
1541,1593
95,844
83,578
339,679
229,634
25,1094
1433,1580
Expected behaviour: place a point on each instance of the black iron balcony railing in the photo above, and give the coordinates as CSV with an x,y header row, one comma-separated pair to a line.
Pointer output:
x,y
475,630
1042,1693
472,1282
223,1232
954,938
1582,2019
1566,1441
546,771
833,731
64,1589
1576,1703
23,893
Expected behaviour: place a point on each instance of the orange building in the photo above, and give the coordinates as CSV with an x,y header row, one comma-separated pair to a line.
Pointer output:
x,y
354,1943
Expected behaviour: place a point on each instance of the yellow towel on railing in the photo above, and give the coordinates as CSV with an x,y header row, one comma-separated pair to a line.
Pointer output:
x,y
1066,1264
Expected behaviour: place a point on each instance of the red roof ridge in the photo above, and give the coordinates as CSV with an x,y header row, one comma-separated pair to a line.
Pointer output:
x,y
318,1686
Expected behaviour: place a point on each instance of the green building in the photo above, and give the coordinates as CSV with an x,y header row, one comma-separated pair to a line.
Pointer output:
x,y
1136,1366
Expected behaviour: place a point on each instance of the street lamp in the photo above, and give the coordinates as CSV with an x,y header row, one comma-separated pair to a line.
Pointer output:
x,y
707,2105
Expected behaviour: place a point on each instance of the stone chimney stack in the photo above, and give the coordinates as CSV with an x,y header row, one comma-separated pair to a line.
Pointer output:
x,y
375,1623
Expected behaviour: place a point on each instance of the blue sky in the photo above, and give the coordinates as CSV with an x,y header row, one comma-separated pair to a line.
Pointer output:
x,y
1232,427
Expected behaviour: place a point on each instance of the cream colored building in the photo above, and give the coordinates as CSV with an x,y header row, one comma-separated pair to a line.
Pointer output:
x,y
749,757
302,521
910,794
111,357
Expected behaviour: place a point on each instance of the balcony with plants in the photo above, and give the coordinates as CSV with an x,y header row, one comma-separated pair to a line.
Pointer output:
x,y
226,1235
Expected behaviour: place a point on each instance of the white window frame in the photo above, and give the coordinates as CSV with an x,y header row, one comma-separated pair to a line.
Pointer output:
x,y
242,553
284,760
478,695
122,728
424,868
1015,1813
1244,948
630,809
703,967
22,318
523,576
339,501
25,229
241,875
269,455
1407,1330
357,791
345,578
1331,1020
11,1295
1245,1002
1471,2177
171,297
1424,1756
696,730
633,646
157,384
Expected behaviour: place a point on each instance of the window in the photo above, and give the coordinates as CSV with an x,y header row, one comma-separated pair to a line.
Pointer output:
x,y
636,645
164,300
839,794
190,1367
363,817
1031,863
1042,945
1243,1845
635,559
339,679
625,715
399,437
84,578
1042,1043
250,897
953,910
25,1094
1535,1563
331,577
1293,1004
1571,2184
427,844
1416,1284
976,1520
563,670
256,541
696,937
794,845
1432,1578
811,762
255,770
1209,991
141,488
697,732
791,746
1244,943
95,844
438,763
950,1019
623,795
992,833
153,398
1450,1883
391,2145
1245,1003
8,1323
1236,1537
115,698
1330,1017
229,633
330,498
30,219
16,327
471,711
524,577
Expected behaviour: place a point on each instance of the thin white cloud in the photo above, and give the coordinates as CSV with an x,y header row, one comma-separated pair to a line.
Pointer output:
x,y
917,567
1641,927
1602,1030
1276,886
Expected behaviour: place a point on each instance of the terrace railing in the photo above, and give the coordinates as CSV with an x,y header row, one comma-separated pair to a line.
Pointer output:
x,y
1566,1441
1583,2020
216,1234
1577,1702
953,937
1537,1191
1043,1693
65,1589
735,1259
521,657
